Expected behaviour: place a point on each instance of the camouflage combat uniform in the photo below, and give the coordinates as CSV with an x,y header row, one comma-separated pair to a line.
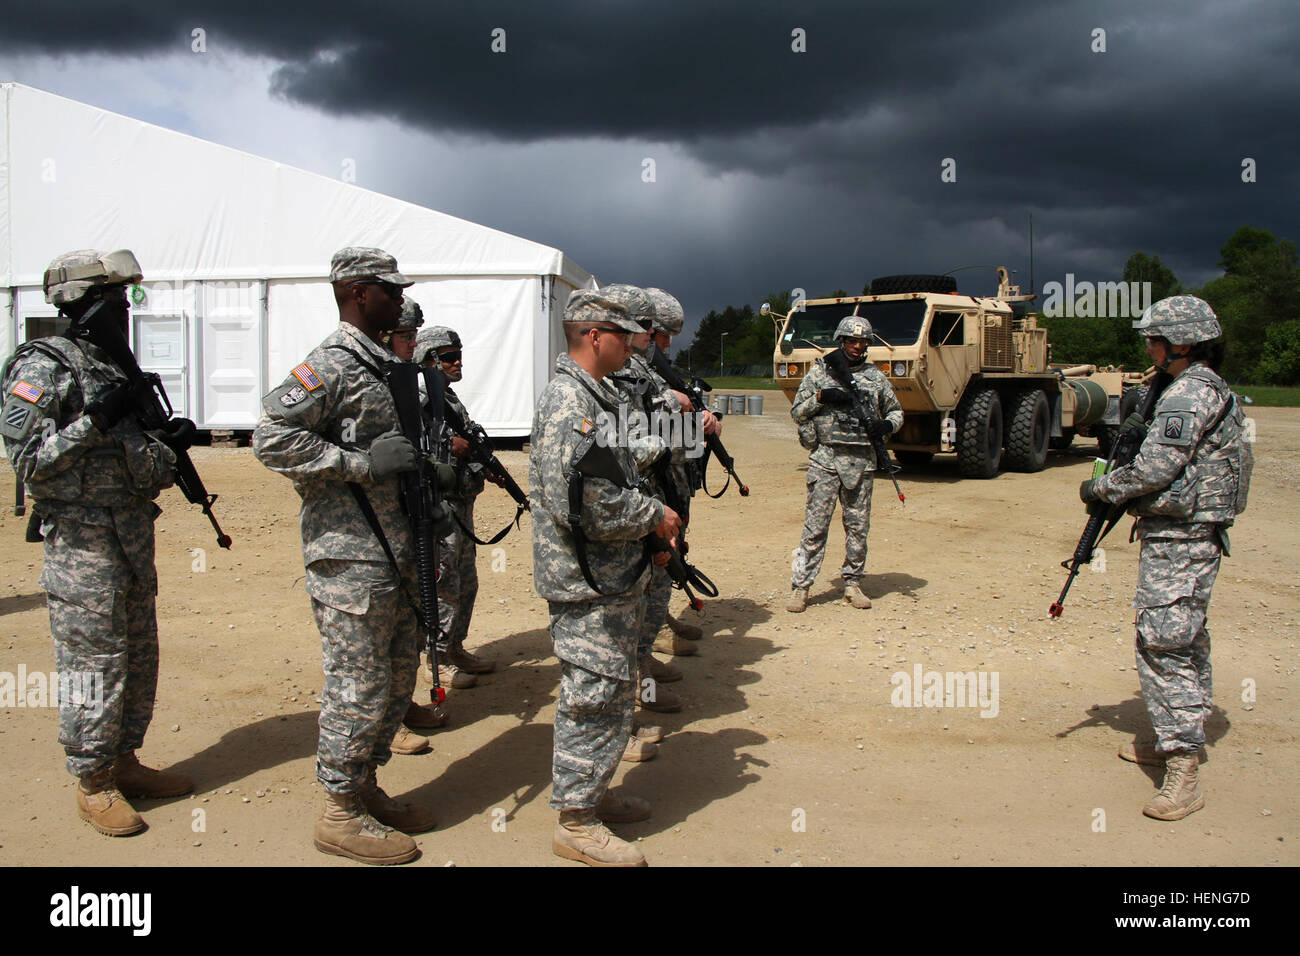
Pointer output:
x,y
594,634
840,466
457,553
1182,487
315,429
94,494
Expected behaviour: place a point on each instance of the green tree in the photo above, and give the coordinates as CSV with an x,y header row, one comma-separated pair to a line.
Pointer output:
x,y
1280,362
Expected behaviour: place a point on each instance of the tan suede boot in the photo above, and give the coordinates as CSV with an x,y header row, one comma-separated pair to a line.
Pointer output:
x,y
422,717
102,805
580,836
666,642
854,595
616,808
651,695
1143,752
651,666
346,829
639,751
798,600
134,779
1181,794
407,742
647,732
682,629
397,814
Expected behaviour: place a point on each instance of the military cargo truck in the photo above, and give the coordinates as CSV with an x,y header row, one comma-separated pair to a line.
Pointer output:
x,y
973,373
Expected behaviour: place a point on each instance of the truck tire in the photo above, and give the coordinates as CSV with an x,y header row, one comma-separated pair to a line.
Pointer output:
x,y
906,457
979,433
891,285
1065,441
1029,431
1130,400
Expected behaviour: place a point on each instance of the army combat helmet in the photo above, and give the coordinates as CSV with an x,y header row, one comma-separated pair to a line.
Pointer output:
x,y
1180,320
73,274
433,338
668,311
853,327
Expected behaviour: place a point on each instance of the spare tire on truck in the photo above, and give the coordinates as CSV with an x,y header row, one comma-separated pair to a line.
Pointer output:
x,y
892,285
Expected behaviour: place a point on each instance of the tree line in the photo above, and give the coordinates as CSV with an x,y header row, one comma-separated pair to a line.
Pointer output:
x,y
1257,300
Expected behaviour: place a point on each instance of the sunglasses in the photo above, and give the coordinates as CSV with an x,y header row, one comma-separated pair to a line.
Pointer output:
x,y
393,291
449,358
625,335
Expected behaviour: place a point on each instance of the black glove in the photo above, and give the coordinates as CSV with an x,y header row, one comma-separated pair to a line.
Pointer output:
x,y
108,407
391,453
834,396
445,475
443,523
1134,423
178,434
879,428
1086,493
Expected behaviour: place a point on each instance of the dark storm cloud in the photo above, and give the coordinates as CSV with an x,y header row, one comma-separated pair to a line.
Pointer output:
x,y
1137,147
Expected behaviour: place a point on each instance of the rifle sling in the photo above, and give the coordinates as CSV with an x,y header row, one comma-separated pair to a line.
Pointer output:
x,y
372,519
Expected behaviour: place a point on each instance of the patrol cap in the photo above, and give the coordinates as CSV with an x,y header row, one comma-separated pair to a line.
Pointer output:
x,y
412,316
639,306
1180,319
668,311
73,274
433,338
364,262
592,306
853,327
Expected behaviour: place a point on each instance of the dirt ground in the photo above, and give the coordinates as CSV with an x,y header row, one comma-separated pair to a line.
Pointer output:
x,y
788,751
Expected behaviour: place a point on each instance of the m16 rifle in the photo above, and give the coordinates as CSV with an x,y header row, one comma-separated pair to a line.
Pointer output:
x,y
149,402
481,451
1102,516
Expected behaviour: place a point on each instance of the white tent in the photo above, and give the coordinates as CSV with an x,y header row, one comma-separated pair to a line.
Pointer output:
x,y
236,251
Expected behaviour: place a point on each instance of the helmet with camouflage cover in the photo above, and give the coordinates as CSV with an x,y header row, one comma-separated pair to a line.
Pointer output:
x,y
412,316
668,311
1180,320
639,306
434,338
73,274
853,327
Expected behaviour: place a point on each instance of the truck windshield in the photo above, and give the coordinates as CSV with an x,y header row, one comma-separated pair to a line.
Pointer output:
x,y
898,323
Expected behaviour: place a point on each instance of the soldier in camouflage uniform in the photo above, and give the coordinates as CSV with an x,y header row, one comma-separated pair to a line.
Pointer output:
x,y
332,429
457,554
841,463
594,629
71,436
1187,484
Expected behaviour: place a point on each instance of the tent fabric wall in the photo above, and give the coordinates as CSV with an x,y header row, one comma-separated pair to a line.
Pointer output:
x,y
75,176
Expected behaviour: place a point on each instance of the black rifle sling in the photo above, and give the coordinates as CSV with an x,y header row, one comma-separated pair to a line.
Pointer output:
x,y
577,481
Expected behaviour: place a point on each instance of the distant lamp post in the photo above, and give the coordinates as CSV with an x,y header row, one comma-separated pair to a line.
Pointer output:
x,y
722,344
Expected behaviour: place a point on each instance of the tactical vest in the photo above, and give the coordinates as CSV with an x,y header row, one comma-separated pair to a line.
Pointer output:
x,y
125,463
841,428
1215,485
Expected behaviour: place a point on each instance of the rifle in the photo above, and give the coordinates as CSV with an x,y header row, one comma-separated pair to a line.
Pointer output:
x,y
1102,516
713,444
420,495
481,451
151,406
837,364
597,461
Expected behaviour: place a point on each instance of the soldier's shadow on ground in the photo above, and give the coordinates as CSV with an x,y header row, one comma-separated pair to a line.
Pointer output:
x,y
873,585
1129,720
247,749
18,603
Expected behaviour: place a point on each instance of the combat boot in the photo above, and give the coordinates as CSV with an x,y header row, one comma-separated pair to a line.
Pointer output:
x,y
617,808
1143,752
134,779
798,600
652,696
467,662
682,629
397,814
639,751
580,836
650,666
102,805
346,829
449,675
407,743
854,595
666,642
420,717
1180,794
647,732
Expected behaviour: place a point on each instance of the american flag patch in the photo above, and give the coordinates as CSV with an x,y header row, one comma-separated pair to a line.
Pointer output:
x,y
29,392
304,374
586,426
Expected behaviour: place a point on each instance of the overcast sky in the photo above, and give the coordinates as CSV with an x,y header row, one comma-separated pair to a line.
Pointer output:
x,y
725,150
